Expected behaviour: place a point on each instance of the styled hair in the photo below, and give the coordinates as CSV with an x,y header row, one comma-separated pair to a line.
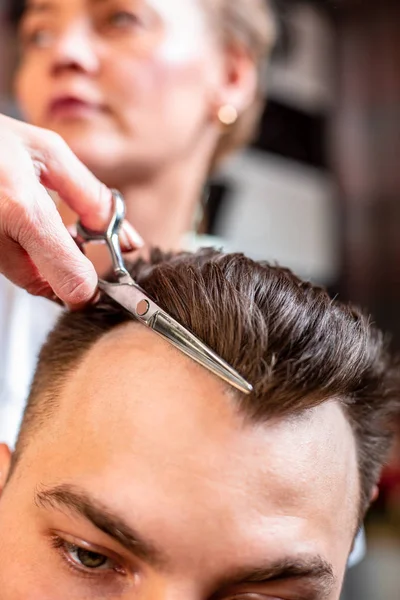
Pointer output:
x,y
250,24
288,338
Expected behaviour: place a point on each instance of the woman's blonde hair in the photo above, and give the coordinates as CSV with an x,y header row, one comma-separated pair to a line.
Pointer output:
x,y
250,24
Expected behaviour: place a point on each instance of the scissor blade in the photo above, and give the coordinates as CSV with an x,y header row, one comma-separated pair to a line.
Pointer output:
x,y
190,345
128,294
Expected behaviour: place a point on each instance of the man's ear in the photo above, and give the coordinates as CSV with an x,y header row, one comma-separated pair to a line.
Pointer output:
x,y
375,494
5,463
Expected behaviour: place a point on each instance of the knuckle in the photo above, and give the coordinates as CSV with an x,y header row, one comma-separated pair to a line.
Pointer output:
x,y
24,222
37,287
45,136
30,225
54,139
49,146
14,216
53,144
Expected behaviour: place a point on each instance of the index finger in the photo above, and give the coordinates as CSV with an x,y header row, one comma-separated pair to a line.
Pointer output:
x,y
60,170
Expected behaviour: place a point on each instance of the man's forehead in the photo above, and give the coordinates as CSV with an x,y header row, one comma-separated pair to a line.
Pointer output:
x,y
149,433
137,405
131,349
142,373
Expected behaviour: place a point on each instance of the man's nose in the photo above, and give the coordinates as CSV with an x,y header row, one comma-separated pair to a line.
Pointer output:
x,y
170,590
75,49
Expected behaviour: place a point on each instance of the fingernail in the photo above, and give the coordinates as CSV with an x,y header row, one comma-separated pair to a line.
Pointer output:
x,y
96,297
56,299
72,230
74,307
130,238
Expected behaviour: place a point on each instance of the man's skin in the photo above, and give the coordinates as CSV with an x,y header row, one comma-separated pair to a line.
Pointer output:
x,y
191,500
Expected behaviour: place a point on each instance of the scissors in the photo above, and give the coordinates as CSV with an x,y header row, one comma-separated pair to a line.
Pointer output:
x,y
128,294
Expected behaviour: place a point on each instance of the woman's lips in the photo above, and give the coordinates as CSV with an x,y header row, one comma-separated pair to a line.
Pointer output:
x,y
71,107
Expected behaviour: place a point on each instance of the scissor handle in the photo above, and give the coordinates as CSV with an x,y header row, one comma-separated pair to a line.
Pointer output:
x,y
110,236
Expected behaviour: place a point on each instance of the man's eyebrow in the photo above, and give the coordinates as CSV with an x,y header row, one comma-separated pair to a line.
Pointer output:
x,y
78,501
313,571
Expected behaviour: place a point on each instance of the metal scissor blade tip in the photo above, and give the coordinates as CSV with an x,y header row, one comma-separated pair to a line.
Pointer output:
x,y
190,345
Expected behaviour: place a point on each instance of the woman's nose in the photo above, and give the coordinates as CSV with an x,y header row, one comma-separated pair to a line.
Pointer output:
x,y
75,49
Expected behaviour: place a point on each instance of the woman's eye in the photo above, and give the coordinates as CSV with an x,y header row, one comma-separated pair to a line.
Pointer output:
x,y
123,19
41,38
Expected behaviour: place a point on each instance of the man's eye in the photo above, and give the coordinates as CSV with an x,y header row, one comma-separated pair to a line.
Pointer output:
x,y
84,559
264,596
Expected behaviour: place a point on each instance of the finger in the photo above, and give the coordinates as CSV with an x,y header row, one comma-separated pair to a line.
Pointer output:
x,y
129,239
93,300
20,270
55,255
60,170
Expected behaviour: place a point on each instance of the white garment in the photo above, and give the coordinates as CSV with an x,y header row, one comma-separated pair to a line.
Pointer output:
x,y
25,321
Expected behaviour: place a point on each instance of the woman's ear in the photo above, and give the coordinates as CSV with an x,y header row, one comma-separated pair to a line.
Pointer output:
x,y
5,463
238,85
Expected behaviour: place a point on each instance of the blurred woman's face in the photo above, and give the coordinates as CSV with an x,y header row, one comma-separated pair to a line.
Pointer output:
x,y
129,84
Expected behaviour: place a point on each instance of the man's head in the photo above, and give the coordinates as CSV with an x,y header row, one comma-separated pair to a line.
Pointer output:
x,y
138,472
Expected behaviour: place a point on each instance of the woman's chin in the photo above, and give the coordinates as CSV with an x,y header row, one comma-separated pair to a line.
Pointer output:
x,y
97,150
114,158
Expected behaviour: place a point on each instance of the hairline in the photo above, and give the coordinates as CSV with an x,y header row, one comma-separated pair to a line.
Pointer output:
x,y
54,398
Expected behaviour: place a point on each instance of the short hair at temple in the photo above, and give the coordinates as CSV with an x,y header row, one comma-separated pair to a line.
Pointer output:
x,y
297,346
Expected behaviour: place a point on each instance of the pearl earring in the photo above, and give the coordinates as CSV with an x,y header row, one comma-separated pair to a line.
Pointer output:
x,y
228,115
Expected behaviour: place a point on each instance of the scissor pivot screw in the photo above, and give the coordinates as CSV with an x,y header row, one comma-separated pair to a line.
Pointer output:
x,y
143,308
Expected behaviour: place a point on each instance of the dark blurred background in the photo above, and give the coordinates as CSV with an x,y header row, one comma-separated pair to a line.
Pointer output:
x,y
319,190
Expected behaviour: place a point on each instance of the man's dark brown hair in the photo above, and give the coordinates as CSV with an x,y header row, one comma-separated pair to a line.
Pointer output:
x,y
297,346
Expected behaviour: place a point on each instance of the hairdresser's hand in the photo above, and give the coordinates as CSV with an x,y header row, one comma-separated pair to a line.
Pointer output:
x,y
36,250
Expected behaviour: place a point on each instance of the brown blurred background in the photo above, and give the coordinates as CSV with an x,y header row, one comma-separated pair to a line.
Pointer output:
x,y
319,190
